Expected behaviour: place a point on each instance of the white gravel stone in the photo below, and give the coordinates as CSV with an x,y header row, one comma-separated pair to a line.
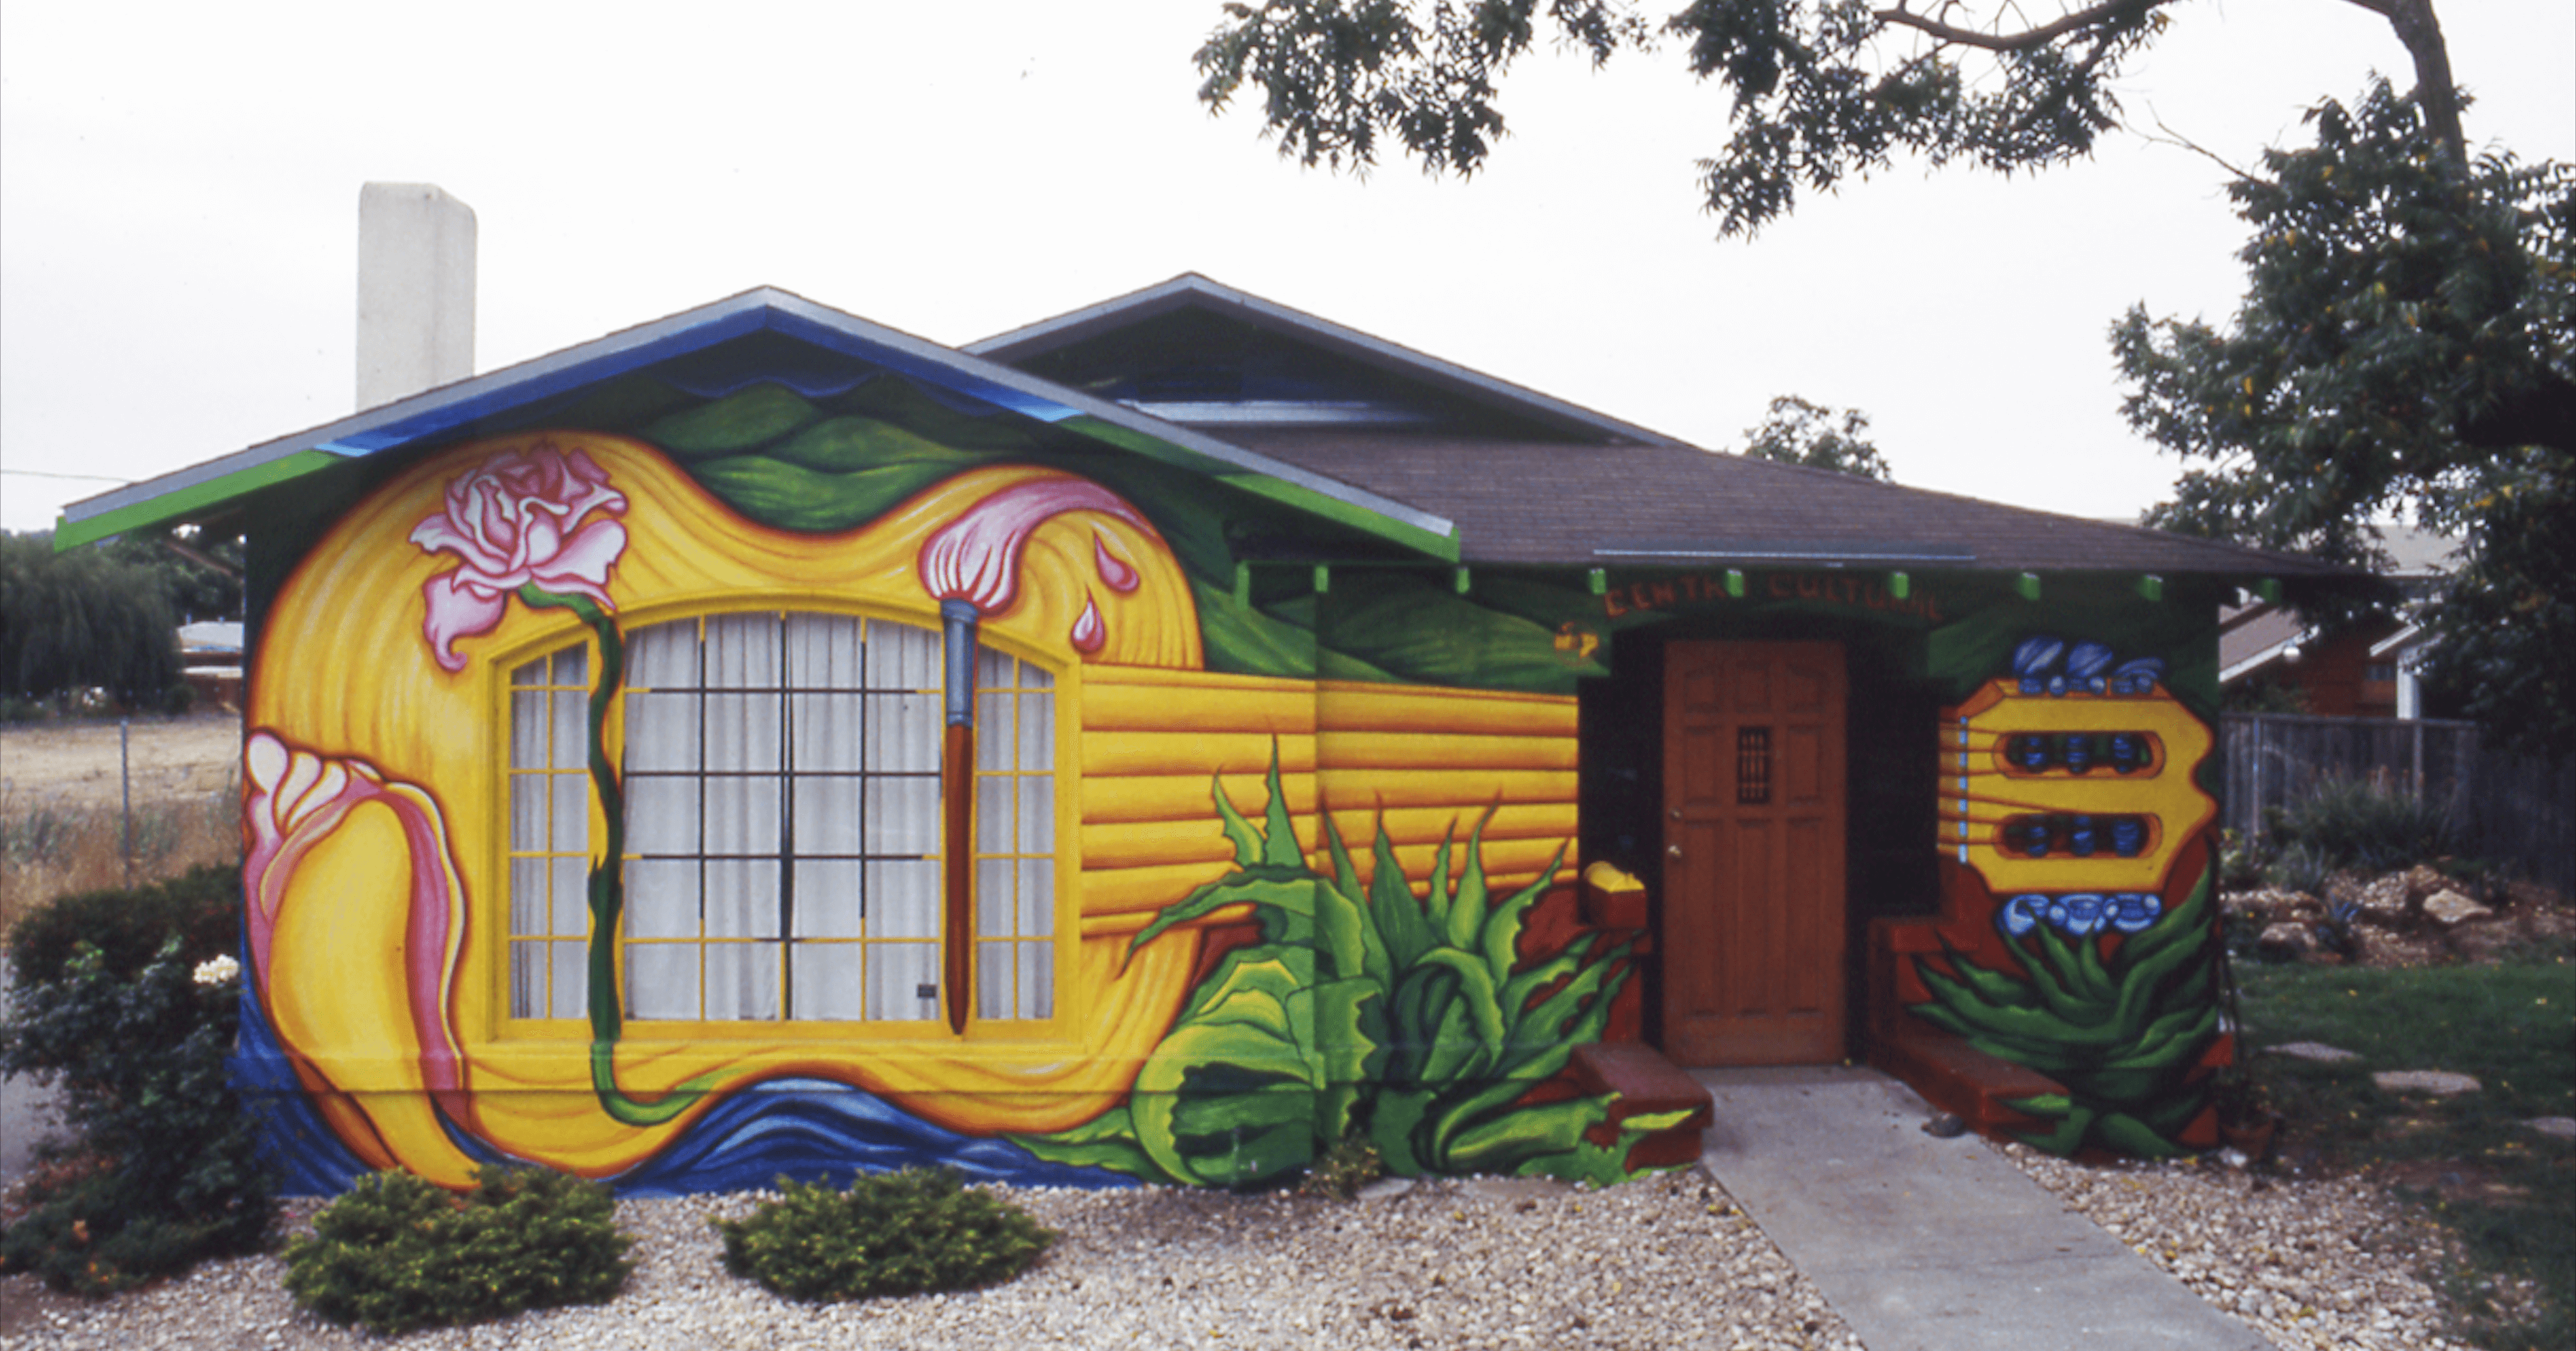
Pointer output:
x,y
2312,1264
1665,1262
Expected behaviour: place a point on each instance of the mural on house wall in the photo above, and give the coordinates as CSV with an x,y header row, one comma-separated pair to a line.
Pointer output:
x,y
786,777
2071,797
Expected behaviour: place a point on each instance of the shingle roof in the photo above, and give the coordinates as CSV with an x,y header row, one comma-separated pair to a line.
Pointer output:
x,y
1601,505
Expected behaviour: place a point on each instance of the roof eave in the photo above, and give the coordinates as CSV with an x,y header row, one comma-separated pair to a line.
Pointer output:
x,y
1180,292
204,489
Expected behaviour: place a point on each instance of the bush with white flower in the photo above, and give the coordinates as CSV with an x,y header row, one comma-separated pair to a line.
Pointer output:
x,y
165,1170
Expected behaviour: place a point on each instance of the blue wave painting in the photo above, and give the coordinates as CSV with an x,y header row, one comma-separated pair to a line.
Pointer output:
x,y
811,1130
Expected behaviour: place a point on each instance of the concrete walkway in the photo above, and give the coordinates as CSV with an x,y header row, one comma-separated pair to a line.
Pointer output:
x,y
1934,1245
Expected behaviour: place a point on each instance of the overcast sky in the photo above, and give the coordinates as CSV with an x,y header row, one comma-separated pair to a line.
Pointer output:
x,y
179,185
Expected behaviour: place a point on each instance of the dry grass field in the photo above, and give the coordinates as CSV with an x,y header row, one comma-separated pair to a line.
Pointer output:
x,y
62,824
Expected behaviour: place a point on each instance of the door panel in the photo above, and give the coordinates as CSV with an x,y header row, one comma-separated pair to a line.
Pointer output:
x,y
1753,867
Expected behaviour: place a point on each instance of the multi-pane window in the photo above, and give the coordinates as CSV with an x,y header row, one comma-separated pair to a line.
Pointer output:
x,y
1014,838
783,855
549,835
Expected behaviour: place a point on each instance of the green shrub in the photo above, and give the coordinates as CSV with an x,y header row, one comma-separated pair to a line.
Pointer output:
x,y
900,1233
397,1253
2365,822
173,1173
2300,867
202,908
1352,1163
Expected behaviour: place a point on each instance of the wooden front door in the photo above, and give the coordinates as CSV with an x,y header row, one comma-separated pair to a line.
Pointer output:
x,y
1753,853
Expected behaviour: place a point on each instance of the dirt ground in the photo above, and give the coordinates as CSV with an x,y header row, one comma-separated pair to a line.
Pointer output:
x,y
75,763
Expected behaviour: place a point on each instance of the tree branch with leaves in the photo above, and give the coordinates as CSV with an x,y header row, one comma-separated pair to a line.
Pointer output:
x,y
1823,90
2406,347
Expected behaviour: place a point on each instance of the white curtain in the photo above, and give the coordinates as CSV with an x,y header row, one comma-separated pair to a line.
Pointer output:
x,y
783,819
549,836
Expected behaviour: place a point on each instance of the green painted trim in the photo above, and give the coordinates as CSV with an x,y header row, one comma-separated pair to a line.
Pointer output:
x,y
178,504
1899,585
1735,583
2027,585
1441,546
1243,583
2269,588
1599,580
1460,581
2151,586
1323,578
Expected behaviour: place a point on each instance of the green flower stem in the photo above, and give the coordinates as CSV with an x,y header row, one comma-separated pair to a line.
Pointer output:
x,y
607,881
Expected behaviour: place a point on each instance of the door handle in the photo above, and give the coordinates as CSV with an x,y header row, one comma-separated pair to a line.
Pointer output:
x,y
1673,849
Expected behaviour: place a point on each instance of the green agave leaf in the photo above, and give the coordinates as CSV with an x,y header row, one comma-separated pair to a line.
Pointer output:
x,y
2170,1040
1253,986
1399,916
1201,1117
2129,1135
2042,1105
1247,1053
2066,962
1279,843
1502,930
1527,982
2172,1114
1247,841
1238,639
1647,1123
1454,1052
1436,900
1345,876
2048,978
2091,975
1476,995
1991,987
2037,1026
1343,1045
2119,1090
1461,920
1583,1000
1285,906
1500,1144
1395,1125
1106,1141
2068,1135
1251,1155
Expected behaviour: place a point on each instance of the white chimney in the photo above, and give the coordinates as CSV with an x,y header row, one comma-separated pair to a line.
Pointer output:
x,y
415,291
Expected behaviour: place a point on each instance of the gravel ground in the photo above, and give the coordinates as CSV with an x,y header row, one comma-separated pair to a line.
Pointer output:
x,y
2331,1263
1668,1262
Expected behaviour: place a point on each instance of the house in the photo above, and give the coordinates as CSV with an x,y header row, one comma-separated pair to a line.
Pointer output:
x,y
1166,738
2368,669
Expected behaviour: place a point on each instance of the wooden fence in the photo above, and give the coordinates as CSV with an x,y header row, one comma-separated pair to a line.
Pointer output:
x,y
2516,811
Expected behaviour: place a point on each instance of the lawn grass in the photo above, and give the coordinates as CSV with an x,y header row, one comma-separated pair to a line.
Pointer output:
x,y
2508,1192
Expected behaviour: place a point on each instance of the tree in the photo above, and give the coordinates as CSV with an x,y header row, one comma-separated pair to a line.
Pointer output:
x,y
2406,346
1822,89
81,620
1798,432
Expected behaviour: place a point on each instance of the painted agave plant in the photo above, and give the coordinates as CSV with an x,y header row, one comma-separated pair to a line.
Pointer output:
x,y
2119,1033
1364,1012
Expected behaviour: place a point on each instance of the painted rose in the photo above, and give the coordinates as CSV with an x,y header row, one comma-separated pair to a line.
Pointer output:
x,y
541,517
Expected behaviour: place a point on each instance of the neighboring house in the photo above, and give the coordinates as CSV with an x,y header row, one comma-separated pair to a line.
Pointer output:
x,y
2366,670
1167,737
210,655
